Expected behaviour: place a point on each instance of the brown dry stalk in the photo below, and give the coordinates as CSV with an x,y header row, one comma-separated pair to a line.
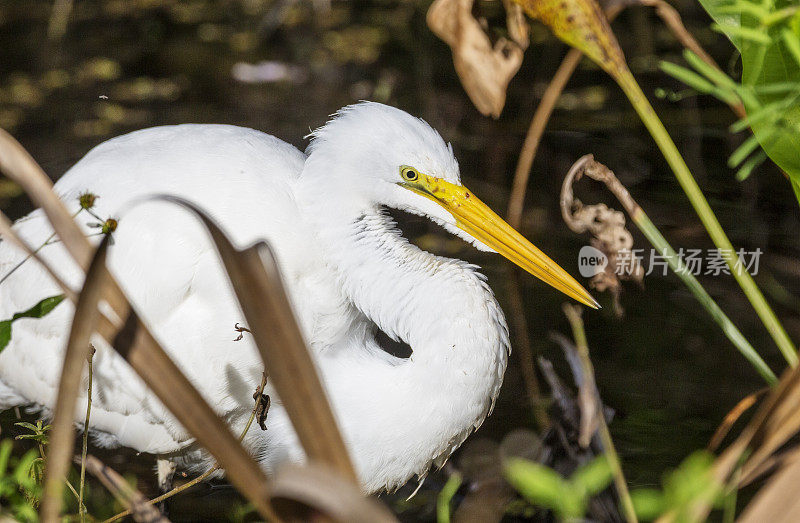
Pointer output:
x,y
127,495
669,15
150,361
323,496
256,280
573,314
7,233
733,416
558,83
189,484
75,356
138,346
523,350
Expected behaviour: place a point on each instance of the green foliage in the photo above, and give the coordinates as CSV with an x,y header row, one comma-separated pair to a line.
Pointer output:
x,y
544,487
445,497
19,488
767,34
38,432
690,483
41,309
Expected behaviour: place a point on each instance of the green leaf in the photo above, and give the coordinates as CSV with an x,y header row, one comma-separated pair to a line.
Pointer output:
x,y
595,476
5,452
690,482
648,503
769,42
41,309
544,487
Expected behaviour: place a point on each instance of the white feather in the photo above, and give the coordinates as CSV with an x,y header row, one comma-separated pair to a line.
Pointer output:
x,y
345,265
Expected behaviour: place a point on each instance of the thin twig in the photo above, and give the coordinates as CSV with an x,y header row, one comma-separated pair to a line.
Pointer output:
x,y
533,138
732,416
33,253
8,234
81,507
125,494
523,349
206,474
573,313
559,81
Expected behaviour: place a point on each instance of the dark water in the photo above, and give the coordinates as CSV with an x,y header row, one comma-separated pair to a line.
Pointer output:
x,y
664,367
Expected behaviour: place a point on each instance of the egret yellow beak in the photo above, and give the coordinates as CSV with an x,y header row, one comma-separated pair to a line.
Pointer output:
x,y
478,220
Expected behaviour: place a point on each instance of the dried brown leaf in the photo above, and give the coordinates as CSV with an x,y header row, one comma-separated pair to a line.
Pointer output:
x,y
135,343
18,165
258,285
777,501
518,27
301,493
485,70
61,435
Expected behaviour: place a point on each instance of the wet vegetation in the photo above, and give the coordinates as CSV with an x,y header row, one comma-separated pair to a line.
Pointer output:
x,y
675,402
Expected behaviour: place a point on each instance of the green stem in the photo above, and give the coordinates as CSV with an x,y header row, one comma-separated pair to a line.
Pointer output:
x,y
573,313
795,188
700,204
81,508
446,497
676,264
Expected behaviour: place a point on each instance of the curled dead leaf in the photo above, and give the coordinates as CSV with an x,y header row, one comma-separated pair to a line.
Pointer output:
x,y
607,227
484,69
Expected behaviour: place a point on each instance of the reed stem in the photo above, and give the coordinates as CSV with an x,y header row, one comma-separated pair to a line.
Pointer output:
x,y
81,507
707,217
573,313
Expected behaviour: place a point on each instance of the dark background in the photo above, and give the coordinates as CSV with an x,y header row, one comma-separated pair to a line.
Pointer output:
x,y
664,367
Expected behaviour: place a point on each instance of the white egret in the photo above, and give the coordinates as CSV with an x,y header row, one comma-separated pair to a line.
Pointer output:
x,y
348,270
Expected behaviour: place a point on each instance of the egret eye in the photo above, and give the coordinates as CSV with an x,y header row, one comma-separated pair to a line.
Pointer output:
x,y
409,174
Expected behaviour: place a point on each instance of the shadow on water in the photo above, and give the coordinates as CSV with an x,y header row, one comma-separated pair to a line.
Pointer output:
x,y
664,367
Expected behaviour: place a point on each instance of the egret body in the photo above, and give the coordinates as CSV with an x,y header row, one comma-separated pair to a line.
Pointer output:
x,y
348,270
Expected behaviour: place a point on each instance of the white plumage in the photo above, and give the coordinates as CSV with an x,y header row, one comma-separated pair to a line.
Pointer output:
x,y
346,267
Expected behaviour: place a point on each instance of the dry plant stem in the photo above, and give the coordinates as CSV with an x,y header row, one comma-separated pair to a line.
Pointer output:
x,y
75,356
700,204
206,474
573,313
516,202
7,233
582,24
559,81
256,280
732,416
33,253
523,349
131,338
127,495
597,171
81,508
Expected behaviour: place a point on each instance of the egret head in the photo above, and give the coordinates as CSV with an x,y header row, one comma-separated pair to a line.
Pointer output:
x,y
374,155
